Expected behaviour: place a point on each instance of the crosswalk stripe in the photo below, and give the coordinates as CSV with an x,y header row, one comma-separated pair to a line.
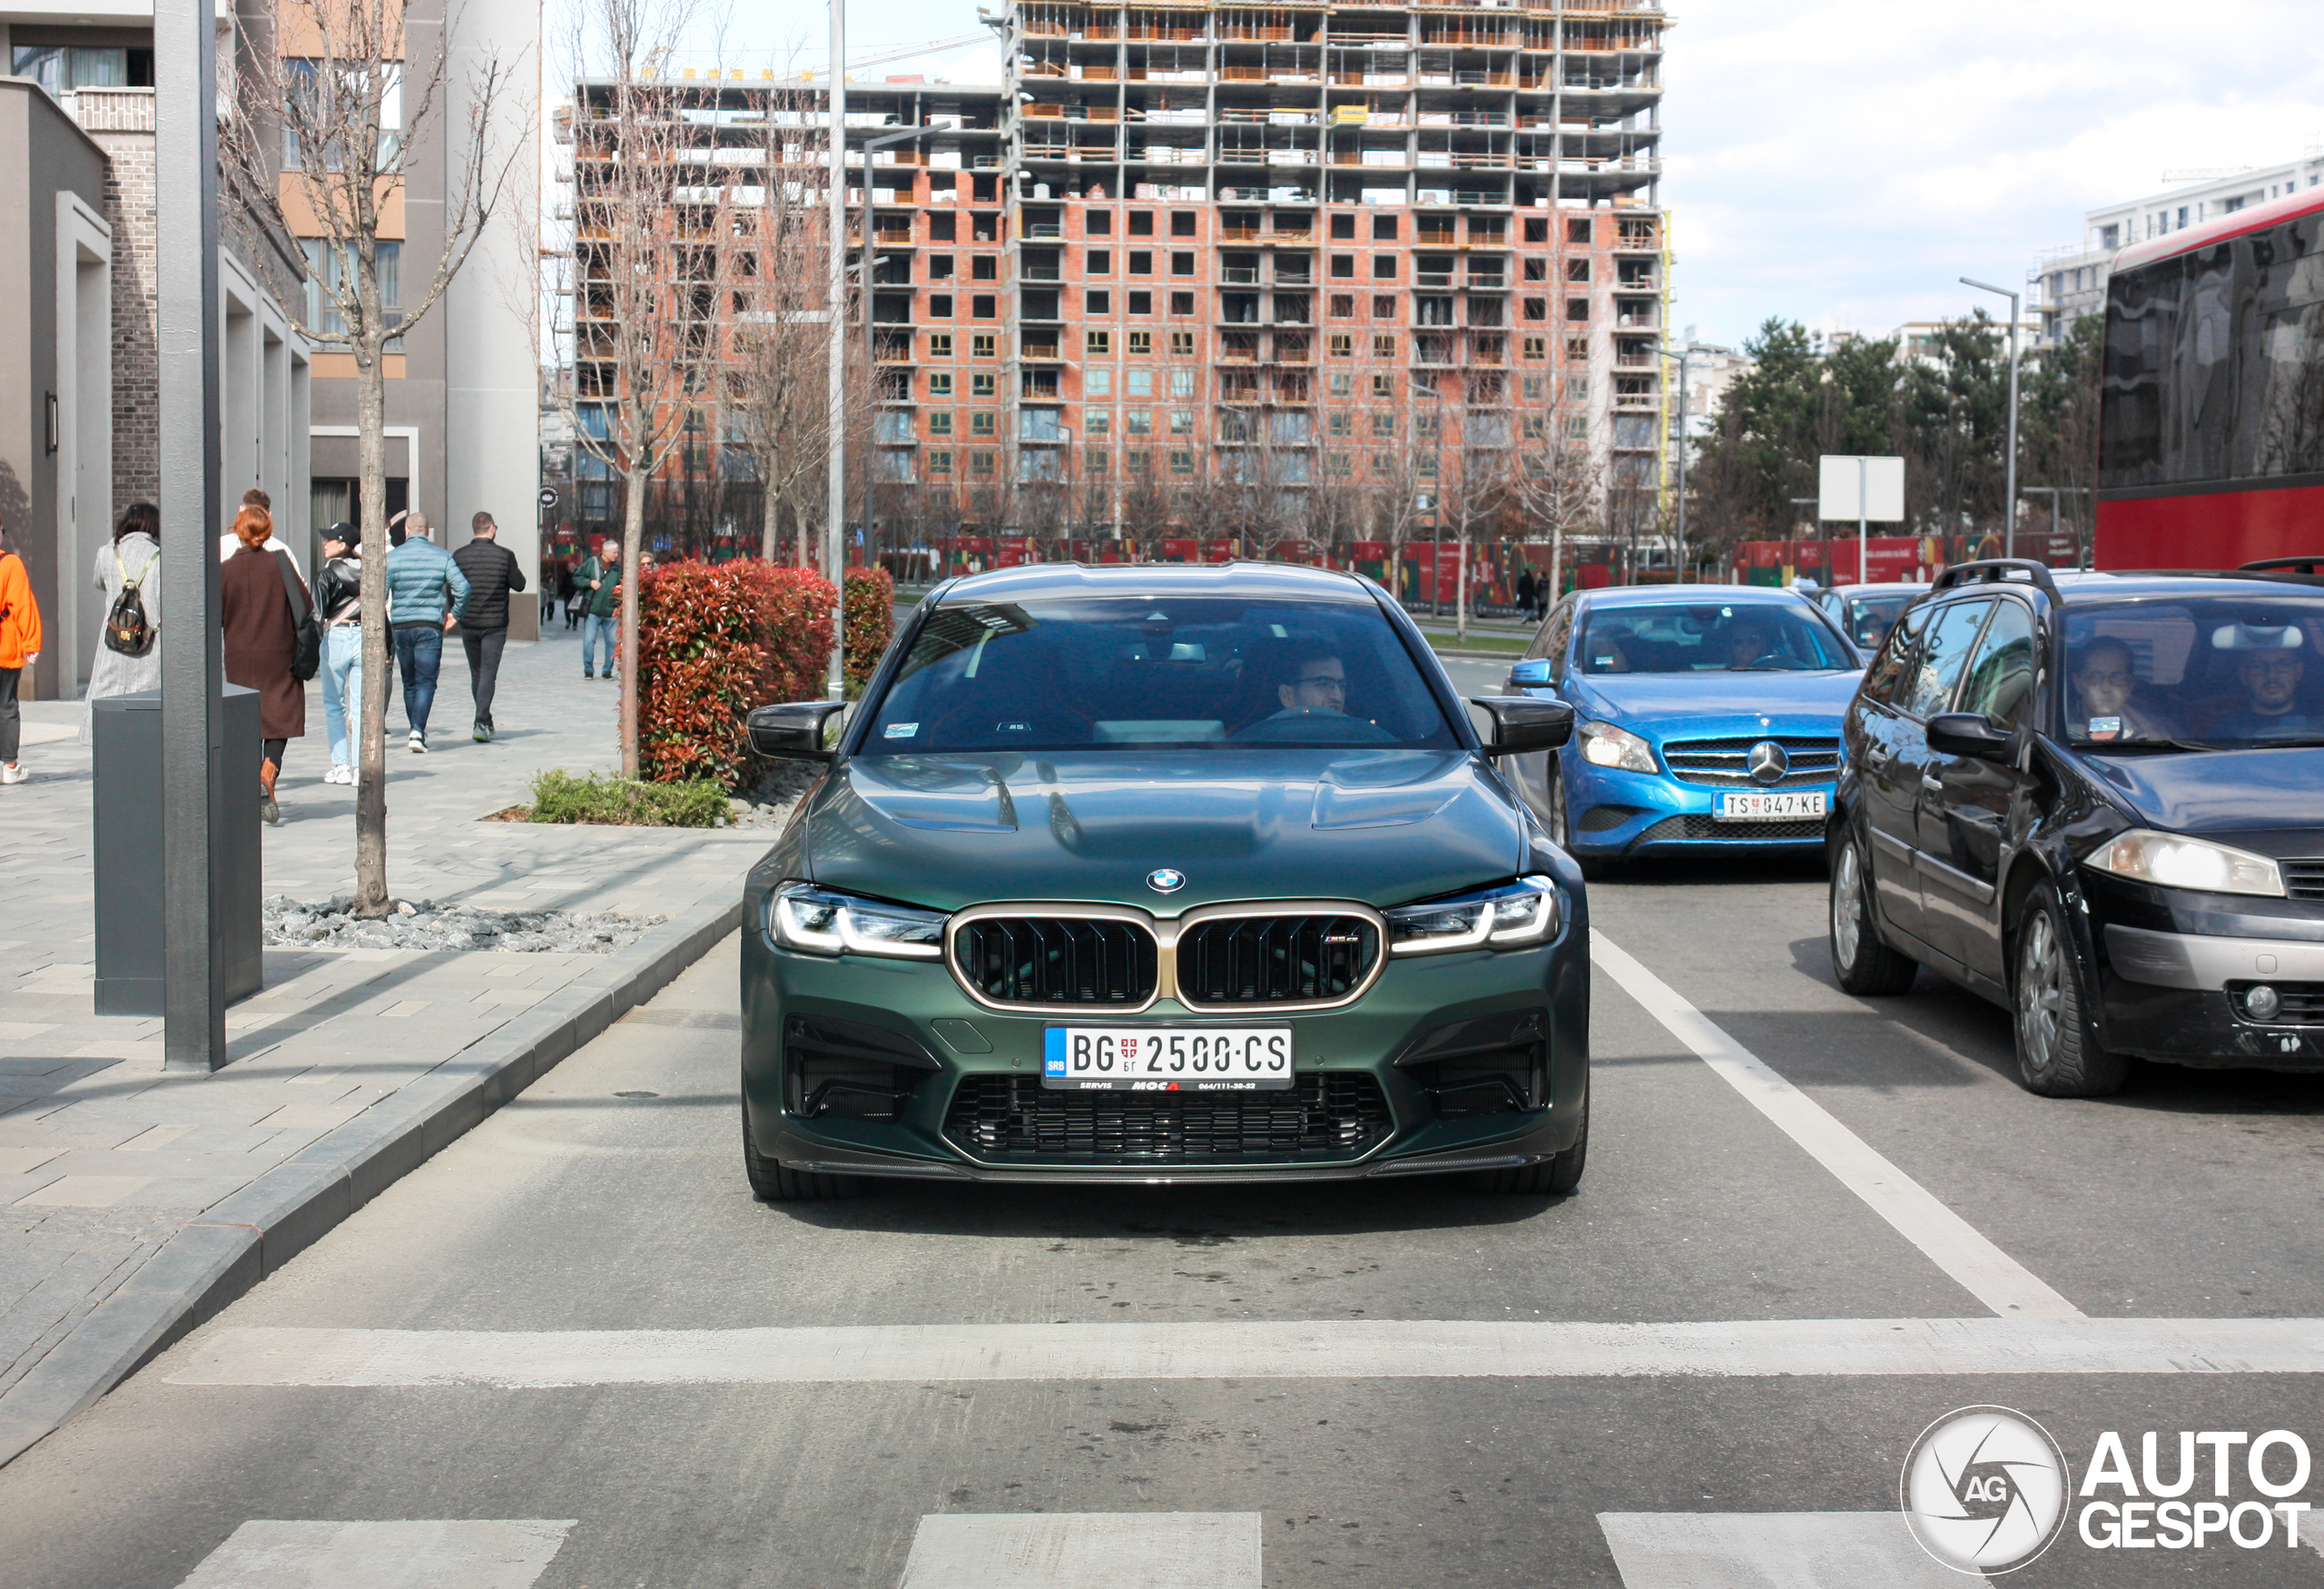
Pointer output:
x,y
1771,1550
442,1554
1087,1550
1943,1237
1251,1349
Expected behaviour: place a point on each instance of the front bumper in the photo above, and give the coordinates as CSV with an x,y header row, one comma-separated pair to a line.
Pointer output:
x,y
2176,996
955,1052
1612,813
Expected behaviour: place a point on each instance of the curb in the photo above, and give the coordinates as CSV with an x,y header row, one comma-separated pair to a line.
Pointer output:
x,y
233,1244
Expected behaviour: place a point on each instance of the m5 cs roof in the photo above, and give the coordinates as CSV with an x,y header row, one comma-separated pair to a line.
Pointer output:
x,y
1282,581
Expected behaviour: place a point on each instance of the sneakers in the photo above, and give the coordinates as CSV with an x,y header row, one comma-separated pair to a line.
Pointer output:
x,y
418,743
481,734
13,773
340,775
268,812
587,674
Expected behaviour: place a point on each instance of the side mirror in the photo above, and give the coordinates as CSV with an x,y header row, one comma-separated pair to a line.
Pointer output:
x,y
795,729
1521,723
1970,733
1530,675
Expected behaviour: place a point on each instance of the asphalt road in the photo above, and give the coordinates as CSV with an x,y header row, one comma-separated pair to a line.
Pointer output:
x,y
1108,1388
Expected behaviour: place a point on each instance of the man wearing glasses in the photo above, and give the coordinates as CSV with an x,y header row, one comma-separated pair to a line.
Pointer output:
x,y
1317,686
2104,680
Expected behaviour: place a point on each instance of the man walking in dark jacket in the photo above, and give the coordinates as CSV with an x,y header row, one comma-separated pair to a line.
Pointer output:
x,y
493,574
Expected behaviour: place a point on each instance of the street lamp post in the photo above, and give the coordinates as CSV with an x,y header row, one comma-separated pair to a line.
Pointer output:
x,y
1679,562
2009,487
835,407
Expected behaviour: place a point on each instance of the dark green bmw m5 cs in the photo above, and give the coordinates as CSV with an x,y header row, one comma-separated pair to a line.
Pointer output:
x,y
1163,874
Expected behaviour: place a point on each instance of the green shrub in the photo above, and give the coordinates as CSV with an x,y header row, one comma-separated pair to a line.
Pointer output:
x,y
560,797
870,623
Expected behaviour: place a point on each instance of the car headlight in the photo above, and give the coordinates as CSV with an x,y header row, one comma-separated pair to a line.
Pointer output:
x,y
1605,746
1524,912
822,921
2174,862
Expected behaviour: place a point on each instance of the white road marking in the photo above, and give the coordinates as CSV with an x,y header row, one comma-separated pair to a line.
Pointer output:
x,y
1089,1550
1771,1550
1253,1349
1943,1237
382,1556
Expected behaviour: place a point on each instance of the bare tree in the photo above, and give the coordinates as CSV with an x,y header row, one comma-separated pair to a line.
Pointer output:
x,y
1557,485
327,110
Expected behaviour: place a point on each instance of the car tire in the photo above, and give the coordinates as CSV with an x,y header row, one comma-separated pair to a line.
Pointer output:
x,y
1557,1176
2055,1055
1862,963
1560,822
773,1182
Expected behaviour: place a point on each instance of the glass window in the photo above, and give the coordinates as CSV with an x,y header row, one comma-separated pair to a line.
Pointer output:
x,y
1099,673
2001,674
1937,667
2233,671
1709,636
1097,382
1868,618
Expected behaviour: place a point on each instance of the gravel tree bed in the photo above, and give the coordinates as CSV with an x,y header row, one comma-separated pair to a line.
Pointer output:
x,y
425,924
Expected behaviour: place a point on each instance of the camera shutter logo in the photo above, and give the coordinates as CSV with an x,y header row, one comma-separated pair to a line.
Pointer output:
x,y
1984,1490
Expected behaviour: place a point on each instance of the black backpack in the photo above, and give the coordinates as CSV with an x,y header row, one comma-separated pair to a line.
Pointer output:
x,y
127,628
307,637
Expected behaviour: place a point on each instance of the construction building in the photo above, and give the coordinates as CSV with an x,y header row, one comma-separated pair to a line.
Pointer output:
x,y
1267,271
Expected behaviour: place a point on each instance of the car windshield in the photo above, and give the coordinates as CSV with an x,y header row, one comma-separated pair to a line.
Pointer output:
x,y
1870,618
2228,672
1708,636
1122,672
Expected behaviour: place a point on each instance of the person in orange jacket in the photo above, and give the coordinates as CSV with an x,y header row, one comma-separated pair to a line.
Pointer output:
x,y
20,642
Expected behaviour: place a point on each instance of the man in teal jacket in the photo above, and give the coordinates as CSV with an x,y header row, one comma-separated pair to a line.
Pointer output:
x,y
426,594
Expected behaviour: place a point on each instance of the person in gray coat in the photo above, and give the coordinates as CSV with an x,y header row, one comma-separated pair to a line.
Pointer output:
x,y
129,560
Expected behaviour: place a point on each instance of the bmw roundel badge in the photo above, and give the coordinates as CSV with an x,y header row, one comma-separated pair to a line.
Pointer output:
x,y
1166,880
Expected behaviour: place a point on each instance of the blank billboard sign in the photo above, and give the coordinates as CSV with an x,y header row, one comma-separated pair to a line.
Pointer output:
x,y
1840,476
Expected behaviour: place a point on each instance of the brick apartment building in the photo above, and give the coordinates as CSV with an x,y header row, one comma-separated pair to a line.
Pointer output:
x,y
1266,271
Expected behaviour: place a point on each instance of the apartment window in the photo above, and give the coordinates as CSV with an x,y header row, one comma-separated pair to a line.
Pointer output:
x,y
1343,385
984,345
1537,309
1384,344
1097,422
1340,425
1133,463
1383,228
982,462
1343,306
1097,462
940,306
1182,462
1577,231
1141,341
1098,344
1383,465
1100,262
1141,303
1577,310
1182,383
1577,388
940,381
1425,465
1576,426
1182,304
1577,349
939,460
1536,230
1098,223
1340,345
1182,344
1142,223
1535,387
1424,425
1577,270
984,424
1344,267
1141,262
1344,227
1138,421
941,229
984,385
1182,421
1100,300
1536,347
1383,386
982,306
1383,307
1384,267
1138,383
322,261
1339,464
940,267
1537,268
1536,428
940,422
1182,222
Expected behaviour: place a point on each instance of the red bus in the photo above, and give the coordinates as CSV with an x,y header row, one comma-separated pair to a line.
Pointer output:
x,y
2210,448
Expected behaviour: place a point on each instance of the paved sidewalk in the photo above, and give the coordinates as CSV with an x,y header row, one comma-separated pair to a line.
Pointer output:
x,y
104,1156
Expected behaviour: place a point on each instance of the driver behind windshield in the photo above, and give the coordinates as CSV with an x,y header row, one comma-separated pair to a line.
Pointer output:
x,y
2271,679
2105,680
1315,685
1746,644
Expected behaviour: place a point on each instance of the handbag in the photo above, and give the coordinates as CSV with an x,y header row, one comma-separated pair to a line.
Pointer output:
x,y
307,638
127,628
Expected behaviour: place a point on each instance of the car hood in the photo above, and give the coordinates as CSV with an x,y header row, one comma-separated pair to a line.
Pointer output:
x,y
1651,699
1384,826
2243,794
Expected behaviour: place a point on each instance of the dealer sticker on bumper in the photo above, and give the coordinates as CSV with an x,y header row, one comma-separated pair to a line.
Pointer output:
x,y
1772,804
1166,1059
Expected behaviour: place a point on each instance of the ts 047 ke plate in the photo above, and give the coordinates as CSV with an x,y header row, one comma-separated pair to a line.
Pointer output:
x,y
1166,1059
1772,804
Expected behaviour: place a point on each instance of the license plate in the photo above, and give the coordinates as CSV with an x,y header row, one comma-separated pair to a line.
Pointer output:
x,y
1166,1059
1772,804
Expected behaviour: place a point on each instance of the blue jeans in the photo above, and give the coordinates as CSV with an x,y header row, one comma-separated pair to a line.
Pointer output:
x,y
420,651
594,630
342,688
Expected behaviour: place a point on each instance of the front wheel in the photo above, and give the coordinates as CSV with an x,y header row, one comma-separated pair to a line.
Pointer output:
x,y
2055,1055
1863,963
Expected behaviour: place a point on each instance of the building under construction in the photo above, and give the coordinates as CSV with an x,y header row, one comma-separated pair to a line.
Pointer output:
x,y
1271,273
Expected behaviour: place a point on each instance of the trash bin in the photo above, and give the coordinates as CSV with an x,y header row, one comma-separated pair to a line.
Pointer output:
x,y
129,862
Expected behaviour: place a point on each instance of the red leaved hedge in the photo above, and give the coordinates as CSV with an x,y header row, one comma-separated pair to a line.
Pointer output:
x,y
870,621
715,641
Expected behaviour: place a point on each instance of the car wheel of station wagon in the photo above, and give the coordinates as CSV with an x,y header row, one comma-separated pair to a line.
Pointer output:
x,y
2056,1057
1863,963
779,1183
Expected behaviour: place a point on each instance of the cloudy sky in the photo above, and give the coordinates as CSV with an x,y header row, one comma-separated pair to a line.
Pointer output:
x,y
1842,163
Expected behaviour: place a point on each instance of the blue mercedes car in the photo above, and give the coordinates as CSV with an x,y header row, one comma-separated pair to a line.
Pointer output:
x,y
1707,717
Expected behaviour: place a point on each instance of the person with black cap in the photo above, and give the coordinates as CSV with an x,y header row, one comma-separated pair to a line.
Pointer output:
x,y
339,599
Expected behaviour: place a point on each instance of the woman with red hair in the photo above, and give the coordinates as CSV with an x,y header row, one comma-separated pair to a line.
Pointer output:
x,y
261,600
